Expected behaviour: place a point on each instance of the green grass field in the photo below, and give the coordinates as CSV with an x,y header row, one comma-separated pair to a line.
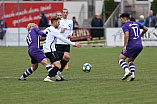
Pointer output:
x,y
103,85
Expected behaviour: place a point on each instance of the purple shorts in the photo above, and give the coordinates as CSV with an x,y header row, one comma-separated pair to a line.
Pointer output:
x,y
36,55
133,52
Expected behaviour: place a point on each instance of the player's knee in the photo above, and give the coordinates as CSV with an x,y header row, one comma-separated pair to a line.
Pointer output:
x,y
57,63
66,58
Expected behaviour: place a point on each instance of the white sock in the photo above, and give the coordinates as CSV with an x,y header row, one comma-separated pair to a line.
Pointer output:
x,y
22,77
127,70
133,74
59,72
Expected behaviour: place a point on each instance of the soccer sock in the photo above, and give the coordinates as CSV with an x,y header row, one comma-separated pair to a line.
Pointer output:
x,y
28,72
49,68
123,64
53,72
132,68
63,64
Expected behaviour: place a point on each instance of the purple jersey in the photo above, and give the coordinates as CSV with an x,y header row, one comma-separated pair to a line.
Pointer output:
x,y
33,38
134,33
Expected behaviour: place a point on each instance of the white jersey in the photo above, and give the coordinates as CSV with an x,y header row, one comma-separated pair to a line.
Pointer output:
x,y
68,25
51,39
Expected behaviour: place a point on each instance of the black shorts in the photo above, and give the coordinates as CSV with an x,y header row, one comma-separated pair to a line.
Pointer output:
x,y
63,47
52,56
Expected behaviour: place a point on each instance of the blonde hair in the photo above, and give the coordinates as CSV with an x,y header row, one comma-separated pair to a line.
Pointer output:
x,y
31,25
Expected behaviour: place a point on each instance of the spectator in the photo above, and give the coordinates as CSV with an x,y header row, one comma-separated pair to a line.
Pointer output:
x,y
43,21
132,18
97,22
118,23
75,23
141,20
3,27
150,20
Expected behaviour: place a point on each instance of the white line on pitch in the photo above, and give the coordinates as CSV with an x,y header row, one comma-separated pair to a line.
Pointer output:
x,y
19,77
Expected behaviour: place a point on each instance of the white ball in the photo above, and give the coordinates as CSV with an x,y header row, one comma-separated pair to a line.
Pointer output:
x,y
86,67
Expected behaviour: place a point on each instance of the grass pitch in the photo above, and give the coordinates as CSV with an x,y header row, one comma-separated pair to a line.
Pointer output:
x,y
103,85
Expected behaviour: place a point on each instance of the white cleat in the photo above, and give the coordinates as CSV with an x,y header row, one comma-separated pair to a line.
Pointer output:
x,y
131,78
126,75
57,77
48,80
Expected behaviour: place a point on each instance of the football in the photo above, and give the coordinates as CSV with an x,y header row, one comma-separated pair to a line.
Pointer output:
x,y
86,67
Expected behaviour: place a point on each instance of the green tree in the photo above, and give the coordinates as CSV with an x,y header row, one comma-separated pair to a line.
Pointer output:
x,y
110,6
154,7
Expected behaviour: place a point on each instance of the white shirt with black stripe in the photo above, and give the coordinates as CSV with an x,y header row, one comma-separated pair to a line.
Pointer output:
x,y
51,39
68,26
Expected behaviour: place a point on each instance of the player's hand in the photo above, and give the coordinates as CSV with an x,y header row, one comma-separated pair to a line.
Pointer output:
x,y
62,31
124,50
78,45
69,36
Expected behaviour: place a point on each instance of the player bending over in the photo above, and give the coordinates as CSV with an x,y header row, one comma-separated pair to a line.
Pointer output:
x,y
49,46
35,53
132,45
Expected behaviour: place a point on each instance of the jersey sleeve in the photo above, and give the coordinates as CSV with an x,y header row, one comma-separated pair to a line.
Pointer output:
x,y
59,36
125,28
40,32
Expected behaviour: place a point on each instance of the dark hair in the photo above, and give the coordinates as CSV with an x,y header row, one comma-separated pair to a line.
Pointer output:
x,y
54,18
125,15
74,17
64,9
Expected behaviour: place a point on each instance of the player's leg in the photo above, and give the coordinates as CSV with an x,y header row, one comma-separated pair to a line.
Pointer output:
x,y
66,57
54,59
136,52
65,61
132,68
29,71
123,64
63,53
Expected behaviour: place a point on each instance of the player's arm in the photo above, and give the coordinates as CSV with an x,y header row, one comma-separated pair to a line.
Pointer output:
x,y
40,32
145,29
59,36
126,38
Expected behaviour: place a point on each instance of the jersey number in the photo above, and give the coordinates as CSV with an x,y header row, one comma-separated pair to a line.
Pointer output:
x,y
135,29
29,40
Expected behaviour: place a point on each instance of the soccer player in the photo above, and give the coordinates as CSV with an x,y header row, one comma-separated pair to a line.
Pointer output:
x,y
132,45
35,53
59,14
63,48
49,45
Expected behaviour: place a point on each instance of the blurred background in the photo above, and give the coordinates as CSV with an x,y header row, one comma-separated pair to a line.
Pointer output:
x,y
98,22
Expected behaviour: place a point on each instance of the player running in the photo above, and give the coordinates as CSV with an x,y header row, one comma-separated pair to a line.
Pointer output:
x,y
35,53
49,46
132,45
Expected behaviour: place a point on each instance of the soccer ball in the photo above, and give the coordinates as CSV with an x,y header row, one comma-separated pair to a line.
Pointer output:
x,y
86,67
